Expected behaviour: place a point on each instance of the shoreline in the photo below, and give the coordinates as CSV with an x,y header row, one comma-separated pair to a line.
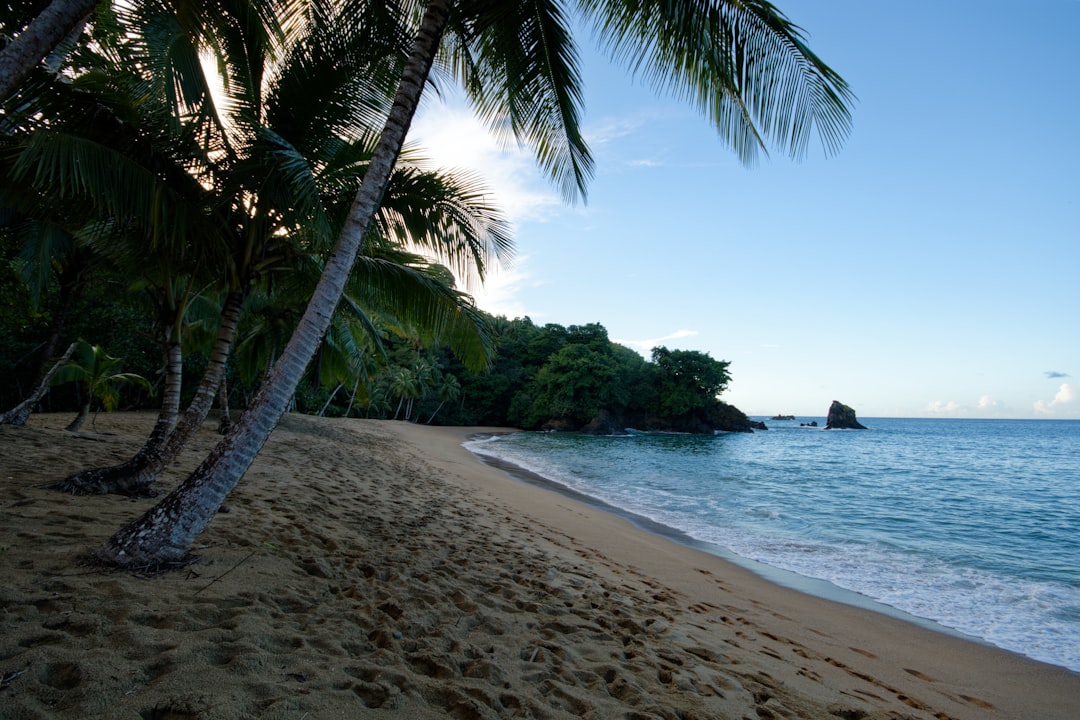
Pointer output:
x,y
379,569
778,576
997,680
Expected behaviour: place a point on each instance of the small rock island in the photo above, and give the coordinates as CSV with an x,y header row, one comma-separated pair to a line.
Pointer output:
x,y
842,417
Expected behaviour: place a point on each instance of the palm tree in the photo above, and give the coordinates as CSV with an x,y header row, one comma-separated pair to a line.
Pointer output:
x,y
99,375
449,390
41,36
405,384
271,176
112,160
742,63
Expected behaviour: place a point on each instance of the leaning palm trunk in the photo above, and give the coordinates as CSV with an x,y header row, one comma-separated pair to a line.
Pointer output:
x,y
80,418
322,411
20,56
165,533
136,476
224,419
19,414
352,398
70,289
83,483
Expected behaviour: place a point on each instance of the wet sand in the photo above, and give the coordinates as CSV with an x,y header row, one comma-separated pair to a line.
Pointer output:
x,y
378,569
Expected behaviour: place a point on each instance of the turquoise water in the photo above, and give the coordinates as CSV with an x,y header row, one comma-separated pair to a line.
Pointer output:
x,y
972,524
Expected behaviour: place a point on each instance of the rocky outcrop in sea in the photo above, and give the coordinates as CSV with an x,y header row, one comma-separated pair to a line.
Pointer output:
x,y
842,417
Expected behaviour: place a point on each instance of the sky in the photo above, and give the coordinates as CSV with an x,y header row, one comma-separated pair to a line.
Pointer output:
x,y
930,268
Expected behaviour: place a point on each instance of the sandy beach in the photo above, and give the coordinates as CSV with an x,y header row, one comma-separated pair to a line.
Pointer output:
x,y
369,569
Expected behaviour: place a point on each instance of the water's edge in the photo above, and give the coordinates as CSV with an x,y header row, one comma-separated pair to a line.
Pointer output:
x,y
778,576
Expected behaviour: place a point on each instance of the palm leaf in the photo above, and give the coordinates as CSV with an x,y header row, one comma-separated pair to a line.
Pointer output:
x,y
519,65
420,297
448,215
66,169
741,63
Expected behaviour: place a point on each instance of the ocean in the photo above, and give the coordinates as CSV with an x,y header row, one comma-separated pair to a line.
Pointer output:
x,y
970,526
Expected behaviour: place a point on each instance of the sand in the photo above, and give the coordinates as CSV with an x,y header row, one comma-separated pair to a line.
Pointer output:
x,y
378,569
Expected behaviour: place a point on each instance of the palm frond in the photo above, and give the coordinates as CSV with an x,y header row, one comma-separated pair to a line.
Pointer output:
x,y
519,64
64,168
43,245
447,214
337,78
419,296
743,64
287,187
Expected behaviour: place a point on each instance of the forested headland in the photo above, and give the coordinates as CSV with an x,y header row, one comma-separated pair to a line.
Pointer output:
x,y
540,376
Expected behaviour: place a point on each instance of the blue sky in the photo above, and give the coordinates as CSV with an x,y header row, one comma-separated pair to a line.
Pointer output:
x,y
929,269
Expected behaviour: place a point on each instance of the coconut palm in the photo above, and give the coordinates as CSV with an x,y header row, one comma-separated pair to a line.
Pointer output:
x,y
405,384
275,178
112,160
41,36
448,389
98,373
742,63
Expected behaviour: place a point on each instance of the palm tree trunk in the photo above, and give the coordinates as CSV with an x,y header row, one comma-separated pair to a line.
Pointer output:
x,y
212,382
19,414
352,398
19,58
224,419
136,476
329,400
84,412
111,479
166,532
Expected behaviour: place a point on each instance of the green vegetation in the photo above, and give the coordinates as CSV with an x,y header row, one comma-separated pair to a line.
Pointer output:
x,y
98,375
293,205
547,376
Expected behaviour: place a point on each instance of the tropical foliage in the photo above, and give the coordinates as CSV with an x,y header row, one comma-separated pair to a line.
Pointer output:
x,y
289,178
99,378
567,378
238,197
541,376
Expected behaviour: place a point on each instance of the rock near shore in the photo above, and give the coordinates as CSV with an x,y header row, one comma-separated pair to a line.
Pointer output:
x,y
842,417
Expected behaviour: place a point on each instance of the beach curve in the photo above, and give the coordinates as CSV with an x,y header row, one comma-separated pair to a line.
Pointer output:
x,y
377,569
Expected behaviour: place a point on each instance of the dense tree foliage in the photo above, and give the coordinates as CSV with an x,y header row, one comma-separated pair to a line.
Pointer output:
x,y
113,138
541,376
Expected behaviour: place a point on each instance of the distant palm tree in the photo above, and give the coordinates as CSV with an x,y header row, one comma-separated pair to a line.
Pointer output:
x,y
448,390
99,376
743,64
405,384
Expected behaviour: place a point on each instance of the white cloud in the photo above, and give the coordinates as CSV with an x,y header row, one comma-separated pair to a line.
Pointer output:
x,y
499,294
644,346
610,129
1062,402
448,133
939,407
987,403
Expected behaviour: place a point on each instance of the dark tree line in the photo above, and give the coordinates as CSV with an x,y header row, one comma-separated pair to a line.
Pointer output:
x,y
575,378
549,376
